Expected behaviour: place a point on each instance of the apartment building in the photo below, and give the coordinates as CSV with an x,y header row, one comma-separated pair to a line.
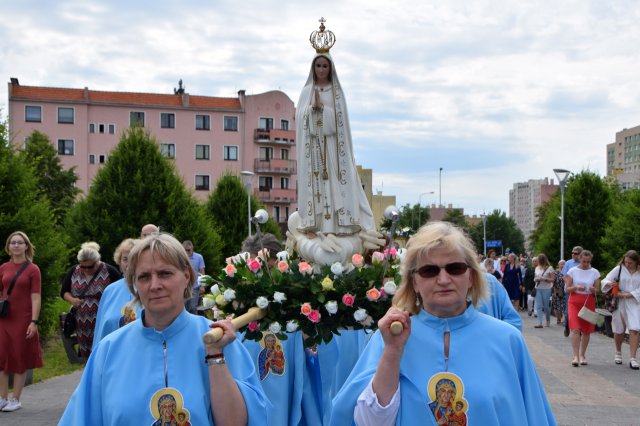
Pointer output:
x,y
623,158
204,136
525,198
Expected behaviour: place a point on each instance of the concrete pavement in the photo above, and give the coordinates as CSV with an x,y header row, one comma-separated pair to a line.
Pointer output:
x,y
601,393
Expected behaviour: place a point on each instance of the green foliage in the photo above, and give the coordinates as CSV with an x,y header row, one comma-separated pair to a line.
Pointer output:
x,y
54,183
21,209
587,203
456,217
137,186
621,233
498,227
411,219
227,206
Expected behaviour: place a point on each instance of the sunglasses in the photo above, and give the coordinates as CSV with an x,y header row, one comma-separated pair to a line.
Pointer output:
x,y
88,266
430,271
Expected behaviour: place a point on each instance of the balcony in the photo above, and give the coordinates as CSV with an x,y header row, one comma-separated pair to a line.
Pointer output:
x,y
276,195
275,136
285,167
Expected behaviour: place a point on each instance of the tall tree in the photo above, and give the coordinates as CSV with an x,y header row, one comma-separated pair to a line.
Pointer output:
x,y
136,186
456,217
227,205
621,233
21,209
587,202
498,227
54,183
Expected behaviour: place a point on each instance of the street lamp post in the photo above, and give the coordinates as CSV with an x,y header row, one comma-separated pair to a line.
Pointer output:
x,y
420,206
440,188
562,176
247,177
484,233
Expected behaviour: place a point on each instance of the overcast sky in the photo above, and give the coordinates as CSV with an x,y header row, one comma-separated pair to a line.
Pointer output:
x,y
492,91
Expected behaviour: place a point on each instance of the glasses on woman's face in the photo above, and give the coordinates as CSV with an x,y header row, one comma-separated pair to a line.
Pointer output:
x,y
430,271
87,267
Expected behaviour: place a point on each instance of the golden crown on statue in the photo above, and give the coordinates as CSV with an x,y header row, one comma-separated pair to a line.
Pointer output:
x,y
322,40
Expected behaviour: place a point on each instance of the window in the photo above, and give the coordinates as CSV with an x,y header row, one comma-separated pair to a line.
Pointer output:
x,y
276,213
203,122
101,128
286,212
202,182
65,115
266,183
167,120
266,153
112,129
65,147
92,159
266,123
92,129
136,118
168,150
284,154
33,114
230,124
284,183
102,158
230,153
284,124
202,152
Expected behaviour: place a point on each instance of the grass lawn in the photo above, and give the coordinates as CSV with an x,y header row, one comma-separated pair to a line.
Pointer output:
x,y
54,360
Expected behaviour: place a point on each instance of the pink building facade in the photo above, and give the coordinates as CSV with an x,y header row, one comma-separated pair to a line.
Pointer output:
x,y
205,136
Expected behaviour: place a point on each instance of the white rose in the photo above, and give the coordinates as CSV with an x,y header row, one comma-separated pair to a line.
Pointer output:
x,y
360,315
279,297
208,301
282,255
337,268
215,290
242,256
229,295
292,326
390,288
262,302
401,253
331,307
275,327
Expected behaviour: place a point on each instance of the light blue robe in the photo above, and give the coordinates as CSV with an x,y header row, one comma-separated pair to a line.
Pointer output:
x,y
334,363
498,305
127,368
290,393
501,384
113,299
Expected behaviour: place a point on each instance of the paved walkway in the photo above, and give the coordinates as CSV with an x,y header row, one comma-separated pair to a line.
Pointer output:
x,y
600,393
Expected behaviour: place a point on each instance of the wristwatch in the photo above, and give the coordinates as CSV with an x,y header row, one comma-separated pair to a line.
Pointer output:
x,y
36,322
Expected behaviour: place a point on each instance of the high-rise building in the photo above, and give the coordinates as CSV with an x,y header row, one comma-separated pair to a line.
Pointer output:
x,y
204,136
623,158
525,198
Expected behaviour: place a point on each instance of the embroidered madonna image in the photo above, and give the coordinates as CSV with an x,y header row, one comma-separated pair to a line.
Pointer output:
x,y
271,357
447,403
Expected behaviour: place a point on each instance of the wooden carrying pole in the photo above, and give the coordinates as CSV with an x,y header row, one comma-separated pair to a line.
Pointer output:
x,y
396,328
253,314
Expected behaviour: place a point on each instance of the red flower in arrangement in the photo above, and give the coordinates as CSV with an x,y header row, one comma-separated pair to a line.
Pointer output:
x,y
314,316
253,326
348,299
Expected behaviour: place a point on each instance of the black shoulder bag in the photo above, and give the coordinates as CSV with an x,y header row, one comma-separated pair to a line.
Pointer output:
x,y
4,304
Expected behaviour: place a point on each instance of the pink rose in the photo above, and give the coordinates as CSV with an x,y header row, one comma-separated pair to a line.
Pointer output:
x,y
377,257
254,265
357,260
348,299
253,325
304,268
230,270
306,309
373,294
390,252
283,266
314,316
263,254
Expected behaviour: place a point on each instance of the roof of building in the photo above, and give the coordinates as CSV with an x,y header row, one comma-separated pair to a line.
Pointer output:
x,y
44,94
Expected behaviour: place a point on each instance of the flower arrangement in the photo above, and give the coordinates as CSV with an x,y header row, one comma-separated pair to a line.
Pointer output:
x,y
318,300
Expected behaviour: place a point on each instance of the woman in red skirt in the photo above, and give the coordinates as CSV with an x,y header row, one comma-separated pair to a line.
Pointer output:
x,y
581,282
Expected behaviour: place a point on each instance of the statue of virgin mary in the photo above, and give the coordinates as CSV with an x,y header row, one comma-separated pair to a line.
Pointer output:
x,y
334,219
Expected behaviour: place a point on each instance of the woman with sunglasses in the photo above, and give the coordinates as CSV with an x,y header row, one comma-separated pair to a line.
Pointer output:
x,y
449,359
82,287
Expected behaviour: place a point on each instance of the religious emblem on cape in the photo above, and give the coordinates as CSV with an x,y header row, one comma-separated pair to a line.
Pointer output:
x,y
167,408
447,403
128,315
271,357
